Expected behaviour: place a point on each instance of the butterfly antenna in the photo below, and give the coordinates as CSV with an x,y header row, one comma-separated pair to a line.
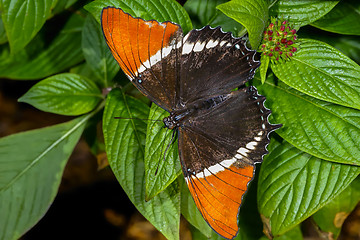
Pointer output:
x,y
143,119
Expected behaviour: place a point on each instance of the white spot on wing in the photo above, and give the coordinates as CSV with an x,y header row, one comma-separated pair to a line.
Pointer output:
x,y
155,59
257,139
216,168
243,151
199,47
212,44
187,48
222,43
251,145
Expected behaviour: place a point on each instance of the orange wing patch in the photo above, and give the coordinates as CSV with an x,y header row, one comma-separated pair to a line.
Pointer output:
x,y
218,197
133,41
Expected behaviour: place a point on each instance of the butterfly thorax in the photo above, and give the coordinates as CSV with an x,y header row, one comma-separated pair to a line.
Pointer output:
x,y
177,117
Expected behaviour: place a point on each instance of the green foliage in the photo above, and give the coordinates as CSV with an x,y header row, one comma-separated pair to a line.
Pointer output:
x,y
313,163
253,14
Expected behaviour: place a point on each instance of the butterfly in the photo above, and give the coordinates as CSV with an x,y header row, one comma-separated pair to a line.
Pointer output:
x,y
199,79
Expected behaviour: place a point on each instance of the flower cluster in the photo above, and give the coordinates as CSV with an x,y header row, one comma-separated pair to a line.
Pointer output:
x,y
279,42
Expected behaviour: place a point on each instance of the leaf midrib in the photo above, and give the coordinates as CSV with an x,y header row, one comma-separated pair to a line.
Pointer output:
x,y
47,150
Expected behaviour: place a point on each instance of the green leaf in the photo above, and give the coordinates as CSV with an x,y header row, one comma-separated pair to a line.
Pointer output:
x,y
327,131
343,19
67,94
293,234
265,60
23,19
293,185
191,212
162,10
253,15
161,154
61,6
301,12
204,12
331,217
125,146
31,166
97,53
323,72
348,45
62,53
3,37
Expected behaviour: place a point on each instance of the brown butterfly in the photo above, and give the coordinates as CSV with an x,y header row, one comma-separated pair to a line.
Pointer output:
x,y
222,133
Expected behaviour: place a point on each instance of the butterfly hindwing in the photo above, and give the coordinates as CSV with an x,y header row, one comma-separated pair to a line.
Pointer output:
x,y
147,52
219,147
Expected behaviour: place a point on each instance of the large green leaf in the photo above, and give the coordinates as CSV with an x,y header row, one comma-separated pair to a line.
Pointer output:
x,y
204,12
37,61
97,53
331,217
125,147
67,94
23,19
327,131
253,15
323,72
162,10
343,19
293,185
162,165
301,12
31,166
349,45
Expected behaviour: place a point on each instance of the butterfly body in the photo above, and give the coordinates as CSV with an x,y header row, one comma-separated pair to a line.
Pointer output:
x,y
222,132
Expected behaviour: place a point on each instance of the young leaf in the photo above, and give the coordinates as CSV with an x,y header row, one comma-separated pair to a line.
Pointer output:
x,y
125,146
161,154
67,94
31,167
62,53
327,131
97,53
301,12
265,60
293,185
162,10
23,19
204,12
342,19
331,217
323,72
253,15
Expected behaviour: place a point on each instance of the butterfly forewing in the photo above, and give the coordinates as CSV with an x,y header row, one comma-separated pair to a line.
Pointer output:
x,y
147,52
